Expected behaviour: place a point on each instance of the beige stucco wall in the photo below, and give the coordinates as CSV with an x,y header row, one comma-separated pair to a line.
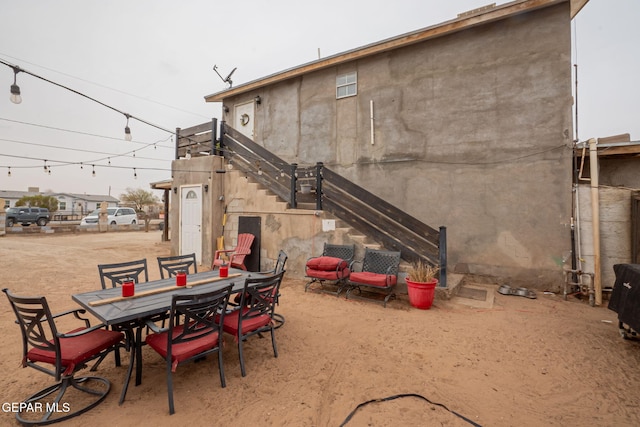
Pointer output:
x,y
472,131
614,228
617,171
299,232
198,170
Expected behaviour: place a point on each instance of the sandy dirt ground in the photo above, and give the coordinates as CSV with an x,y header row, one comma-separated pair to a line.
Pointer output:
x,y
519,362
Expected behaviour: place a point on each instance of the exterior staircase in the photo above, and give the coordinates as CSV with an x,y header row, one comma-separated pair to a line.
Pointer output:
x,y
360,217
249,197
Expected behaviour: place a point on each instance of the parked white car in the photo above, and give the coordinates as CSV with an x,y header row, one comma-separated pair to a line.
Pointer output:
x,y
115,216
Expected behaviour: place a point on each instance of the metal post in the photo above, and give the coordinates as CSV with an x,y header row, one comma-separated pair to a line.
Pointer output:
x,y
165,220
319,166
443,257
222,126
177,142
294,203
214,136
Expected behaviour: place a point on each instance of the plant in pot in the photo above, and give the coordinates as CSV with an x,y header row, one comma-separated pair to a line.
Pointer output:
x,y
421,284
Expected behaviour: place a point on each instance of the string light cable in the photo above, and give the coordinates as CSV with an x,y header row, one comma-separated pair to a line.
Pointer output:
x,y
17,69
109,155
105,87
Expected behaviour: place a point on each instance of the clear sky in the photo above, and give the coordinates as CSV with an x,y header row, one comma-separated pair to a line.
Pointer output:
x,y
154,59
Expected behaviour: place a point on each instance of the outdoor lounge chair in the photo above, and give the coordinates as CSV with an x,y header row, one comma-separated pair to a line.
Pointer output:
x,y
379,273
236,255
60,355
332,267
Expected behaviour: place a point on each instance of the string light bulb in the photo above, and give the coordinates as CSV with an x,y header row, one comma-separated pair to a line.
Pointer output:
x,y
9,173
15,89
135,174
45,166
93,172
127,131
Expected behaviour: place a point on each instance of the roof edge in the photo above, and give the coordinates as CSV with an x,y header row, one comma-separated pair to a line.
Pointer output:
x,y
463,21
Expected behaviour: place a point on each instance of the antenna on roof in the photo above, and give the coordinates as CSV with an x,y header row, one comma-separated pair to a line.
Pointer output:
x,y
225,79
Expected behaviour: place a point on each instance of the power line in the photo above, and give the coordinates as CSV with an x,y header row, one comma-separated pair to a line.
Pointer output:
x,y
61,163
81,132
111,155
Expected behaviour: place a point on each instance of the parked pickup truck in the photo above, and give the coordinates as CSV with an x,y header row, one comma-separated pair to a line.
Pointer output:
x,y
25,216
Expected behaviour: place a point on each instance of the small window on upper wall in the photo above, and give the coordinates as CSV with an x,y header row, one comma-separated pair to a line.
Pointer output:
x,y
347,85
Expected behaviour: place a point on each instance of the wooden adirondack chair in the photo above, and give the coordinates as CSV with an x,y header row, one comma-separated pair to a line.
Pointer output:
x,y
237,255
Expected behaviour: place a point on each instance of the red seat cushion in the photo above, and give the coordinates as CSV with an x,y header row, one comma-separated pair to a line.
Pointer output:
x,y
327,263
76,350
373,279
184,350
230,324
328,275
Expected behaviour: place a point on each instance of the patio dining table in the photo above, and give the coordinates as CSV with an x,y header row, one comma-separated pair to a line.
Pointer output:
x,y
151,300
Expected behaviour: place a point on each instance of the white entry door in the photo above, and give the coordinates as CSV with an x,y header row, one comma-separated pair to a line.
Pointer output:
x,y
243,119
191,221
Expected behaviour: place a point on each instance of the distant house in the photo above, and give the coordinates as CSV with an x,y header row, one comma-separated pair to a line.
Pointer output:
x,y
68,203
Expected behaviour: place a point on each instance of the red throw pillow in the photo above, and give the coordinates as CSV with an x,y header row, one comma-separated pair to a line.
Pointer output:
x,y
327,263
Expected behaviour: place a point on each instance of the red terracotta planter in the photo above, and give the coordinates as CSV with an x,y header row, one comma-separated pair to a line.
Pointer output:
x,y
421,294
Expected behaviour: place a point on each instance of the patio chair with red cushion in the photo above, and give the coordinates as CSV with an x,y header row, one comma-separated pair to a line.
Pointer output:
x,y
195,330
379,275
172,265
60,355
254,315
117,273
236,255
331,268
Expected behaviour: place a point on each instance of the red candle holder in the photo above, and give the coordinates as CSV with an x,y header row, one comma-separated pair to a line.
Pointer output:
x,y
181,278
224,270
128,288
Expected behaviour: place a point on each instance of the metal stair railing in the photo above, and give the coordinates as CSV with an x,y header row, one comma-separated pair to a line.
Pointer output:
x,y
358,207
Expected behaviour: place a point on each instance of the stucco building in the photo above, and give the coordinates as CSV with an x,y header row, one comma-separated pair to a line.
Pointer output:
x,y
466,124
